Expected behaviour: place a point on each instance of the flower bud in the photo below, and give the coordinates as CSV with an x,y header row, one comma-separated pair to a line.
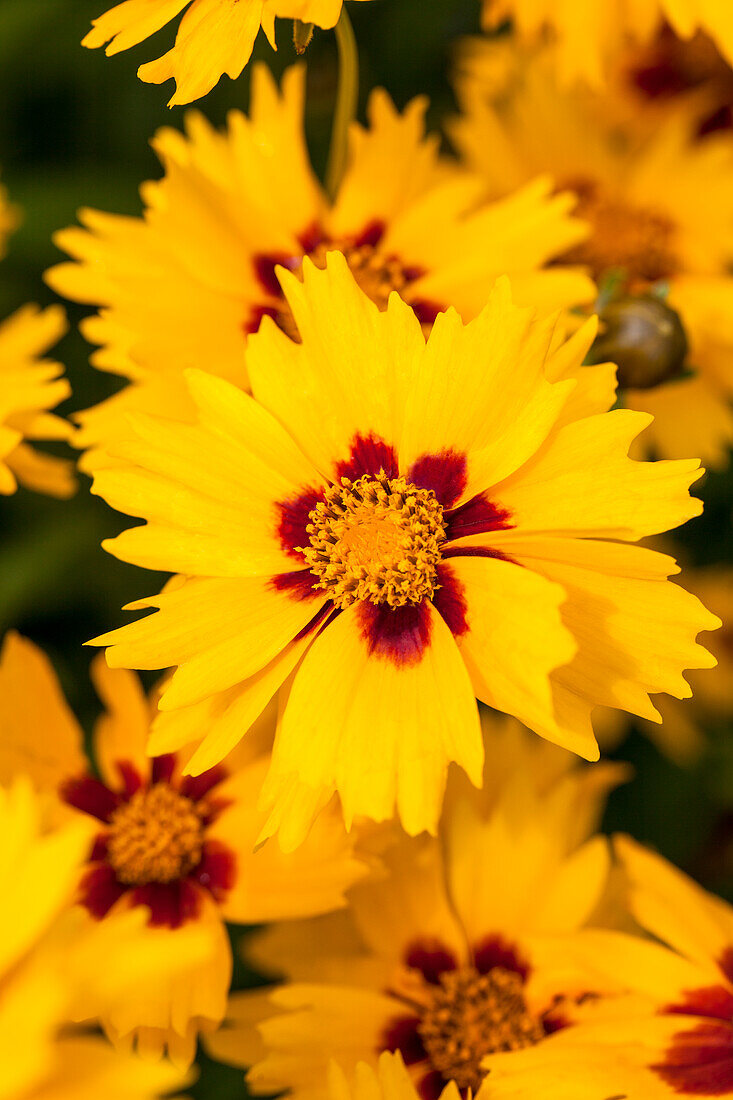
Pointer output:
x,y
645,338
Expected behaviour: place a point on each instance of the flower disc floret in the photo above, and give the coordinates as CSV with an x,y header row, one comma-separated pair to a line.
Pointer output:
x,y
158,836
636,240
377,539
472,1015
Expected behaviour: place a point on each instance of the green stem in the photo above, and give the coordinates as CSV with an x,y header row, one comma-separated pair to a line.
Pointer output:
x,y
346,102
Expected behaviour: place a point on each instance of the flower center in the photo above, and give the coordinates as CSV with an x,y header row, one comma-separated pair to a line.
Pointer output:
x,y
375,539
636,240
472,1015
157,836
376,273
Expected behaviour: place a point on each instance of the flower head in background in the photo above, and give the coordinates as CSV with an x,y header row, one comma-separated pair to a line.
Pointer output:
x,y
435,959
392,528
647,80
588,36
675,1038
180,848
648,232
215,37
185,285
47,960
29,387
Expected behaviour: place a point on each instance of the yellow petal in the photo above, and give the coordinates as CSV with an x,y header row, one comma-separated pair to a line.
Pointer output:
x,y
379,731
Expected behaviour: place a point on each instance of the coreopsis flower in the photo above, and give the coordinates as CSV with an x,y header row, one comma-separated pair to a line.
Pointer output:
x,y
45,961
403,524
676,1036
435,957
649,235
214,36
30,386
181,848
185,285
590,36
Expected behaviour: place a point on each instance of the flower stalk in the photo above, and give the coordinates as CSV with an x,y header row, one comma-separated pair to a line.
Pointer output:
x,y
346,101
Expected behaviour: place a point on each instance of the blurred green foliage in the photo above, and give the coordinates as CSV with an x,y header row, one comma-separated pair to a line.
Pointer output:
x,y
74,132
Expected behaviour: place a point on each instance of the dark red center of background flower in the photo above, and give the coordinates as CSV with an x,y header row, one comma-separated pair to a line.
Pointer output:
x,y
377,271
463,1012
116,857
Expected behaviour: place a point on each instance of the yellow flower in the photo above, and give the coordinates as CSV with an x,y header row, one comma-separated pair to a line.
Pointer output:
x,y
181,847
29,387
404,525
590,35
676,1039
214,36
436,957
43,964
184,286
659,214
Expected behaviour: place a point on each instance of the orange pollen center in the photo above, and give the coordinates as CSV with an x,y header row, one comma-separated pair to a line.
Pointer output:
x,y
636,240
376,539
472,1015
157,836
376,273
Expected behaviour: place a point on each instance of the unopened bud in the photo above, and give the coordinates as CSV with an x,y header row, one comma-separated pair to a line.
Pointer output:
x,y
645,338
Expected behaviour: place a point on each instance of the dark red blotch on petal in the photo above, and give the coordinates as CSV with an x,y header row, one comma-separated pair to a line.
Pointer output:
x,y
132,781
425,310
431,1085
476,517
99,889
402,1034
163,767
293,519
397,634
265,265
300,584
493,951
700,1061
196,787
217,871
254,318
371,234
450,601
714,1000
431,957
444,473
171,904
91,796
369,454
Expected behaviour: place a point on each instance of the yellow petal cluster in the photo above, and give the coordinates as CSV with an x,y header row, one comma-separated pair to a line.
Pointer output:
x,y
214,37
